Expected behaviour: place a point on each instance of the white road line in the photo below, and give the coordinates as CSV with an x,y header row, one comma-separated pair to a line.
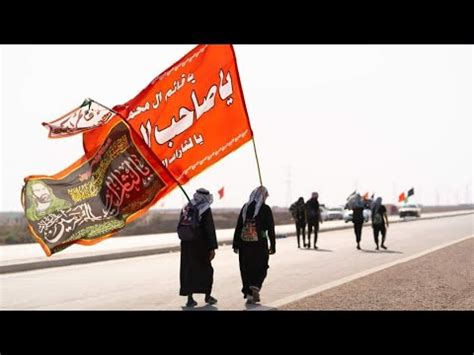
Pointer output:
x,y
335,283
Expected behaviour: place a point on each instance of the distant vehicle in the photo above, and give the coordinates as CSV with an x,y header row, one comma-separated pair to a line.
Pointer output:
x,y
348,215
411,210
324,213
335,213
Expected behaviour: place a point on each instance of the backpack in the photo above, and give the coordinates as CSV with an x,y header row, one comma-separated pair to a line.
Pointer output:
x,y
249,231
378,219
188,223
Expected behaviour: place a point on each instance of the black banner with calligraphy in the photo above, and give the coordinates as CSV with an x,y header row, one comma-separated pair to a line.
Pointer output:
x,y
94,197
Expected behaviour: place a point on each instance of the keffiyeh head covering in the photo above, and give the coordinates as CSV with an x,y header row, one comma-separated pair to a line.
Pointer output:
x,y
259,195
202,199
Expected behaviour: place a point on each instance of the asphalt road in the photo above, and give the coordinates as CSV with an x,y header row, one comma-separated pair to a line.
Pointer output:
x,y
152,282
440,280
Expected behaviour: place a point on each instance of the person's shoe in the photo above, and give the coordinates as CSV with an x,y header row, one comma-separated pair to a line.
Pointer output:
x,y
315,247
377,247
255,293
299,246
358,246
383,246
191,303
210,300
250,300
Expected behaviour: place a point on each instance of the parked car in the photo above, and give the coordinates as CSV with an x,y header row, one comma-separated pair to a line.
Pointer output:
x,y
335,213
411,210
348,215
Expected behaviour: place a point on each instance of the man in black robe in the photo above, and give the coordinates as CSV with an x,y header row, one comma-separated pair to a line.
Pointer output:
x,y
251,243
196,272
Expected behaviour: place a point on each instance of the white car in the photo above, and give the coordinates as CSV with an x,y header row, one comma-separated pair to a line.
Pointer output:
x,y
335,213
348,215
410,210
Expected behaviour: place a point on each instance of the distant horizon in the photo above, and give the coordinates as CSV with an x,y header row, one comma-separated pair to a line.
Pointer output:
x,y
328,118
276,206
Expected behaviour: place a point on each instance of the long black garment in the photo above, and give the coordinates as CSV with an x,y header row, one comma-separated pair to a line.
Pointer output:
x,y
313,214
253,256
358,220
196,273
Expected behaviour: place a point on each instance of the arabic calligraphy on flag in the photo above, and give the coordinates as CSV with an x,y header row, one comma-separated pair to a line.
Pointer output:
x,y
95,197
192,115
188,118
87,116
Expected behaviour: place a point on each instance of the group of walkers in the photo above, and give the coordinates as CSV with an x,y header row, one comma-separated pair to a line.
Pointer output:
x,y
254,241
309,213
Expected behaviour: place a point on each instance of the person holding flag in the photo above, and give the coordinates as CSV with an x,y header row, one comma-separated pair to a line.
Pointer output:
x,y
137,152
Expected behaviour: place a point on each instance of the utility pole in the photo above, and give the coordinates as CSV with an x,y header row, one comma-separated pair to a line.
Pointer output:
x,y
394,191
288,188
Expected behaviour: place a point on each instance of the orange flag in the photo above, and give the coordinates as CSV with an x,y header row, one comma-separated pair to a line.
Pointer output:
x,y
192,115
401,197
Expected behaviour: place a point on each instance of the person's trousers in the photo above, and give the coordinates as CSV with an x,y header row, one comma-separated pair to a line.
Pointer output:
x,y
312,225
301,229
381,229
358,231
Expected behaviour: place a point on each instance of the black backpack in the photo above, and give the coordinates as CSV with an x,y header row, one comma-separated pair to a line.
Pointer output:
x,y
188,223
378,218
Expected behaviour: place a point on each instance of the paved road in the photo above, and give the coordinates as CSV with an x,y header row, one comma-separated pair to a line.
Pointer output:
x,y
440,280
121,247
152,282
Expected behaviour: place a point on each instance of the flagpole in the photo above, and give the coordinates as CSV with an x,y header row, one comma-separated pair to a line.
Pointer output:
x,y
169,172
256,158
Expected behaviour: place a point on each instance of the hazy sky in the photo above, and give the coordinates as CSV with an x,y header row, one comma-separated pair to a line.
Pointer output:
x,y
330,119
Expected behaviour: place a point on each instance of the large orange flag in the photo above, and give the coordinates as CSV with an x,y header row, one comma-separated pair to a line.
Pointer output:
x,y
192,115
